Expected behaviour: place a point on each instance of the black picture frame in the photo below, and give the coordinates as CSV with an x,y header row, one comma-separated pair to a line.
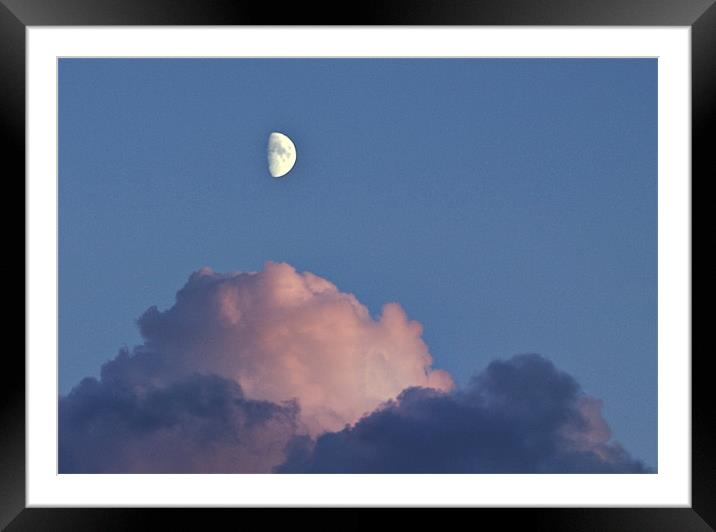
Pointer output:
x,y
16,15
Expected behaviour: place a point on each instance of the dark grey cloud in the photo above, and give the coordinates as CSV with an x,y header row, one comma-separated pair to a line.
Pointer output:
x,y
521,415
197,424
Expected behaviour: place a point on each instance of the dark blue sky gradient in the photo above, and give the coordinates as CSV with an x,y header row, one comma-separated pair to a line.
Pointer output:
x,y
510,206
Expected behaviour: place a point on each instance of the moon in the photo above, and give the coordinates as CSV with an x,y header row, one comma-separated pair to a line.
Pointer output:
x,y
281,154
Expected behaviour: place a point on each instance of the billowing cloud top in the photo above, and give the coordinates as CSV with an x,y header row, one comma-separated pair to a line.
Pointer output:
x,y
286,335
278,370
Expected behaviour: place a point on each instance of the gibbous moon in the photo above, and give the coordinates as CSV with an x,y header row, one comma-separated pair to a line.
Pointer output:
x,y
281,154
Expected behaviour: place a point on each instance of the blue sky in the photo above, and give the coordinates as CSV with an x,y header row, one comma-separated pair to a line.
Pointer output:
x,y
510,206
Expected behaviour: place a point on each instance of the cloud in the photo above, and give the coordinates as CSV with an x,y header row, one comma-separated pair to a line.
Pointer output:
x,y
285,335
280,371
199,424
276,336
518,416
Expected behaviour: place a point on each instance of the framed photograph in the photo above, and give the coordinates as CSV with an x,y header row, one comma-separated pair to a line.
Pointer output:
x,y
433,257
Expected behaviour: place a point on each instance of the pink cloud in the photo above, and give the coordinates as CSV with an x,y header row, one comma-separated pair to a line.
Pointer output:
x,y
282,335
